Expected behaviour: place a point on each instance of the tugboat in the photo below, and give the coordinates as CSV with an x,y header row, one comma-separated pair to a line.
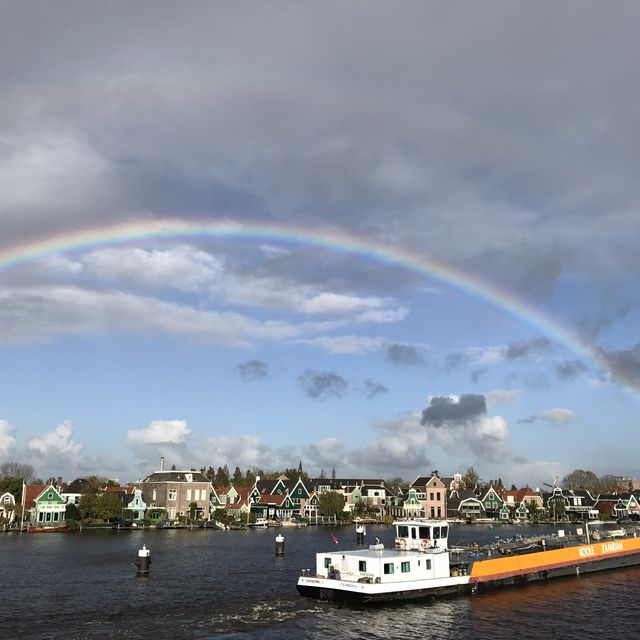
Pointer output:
x,y
421,565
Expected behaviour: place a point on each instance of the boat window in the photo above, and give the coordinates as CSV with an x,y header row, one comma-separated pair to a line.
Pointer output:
x,y
405,567
388,568
424,532
436,533
414,533
444,531
362,565
403,531
327,563
428,564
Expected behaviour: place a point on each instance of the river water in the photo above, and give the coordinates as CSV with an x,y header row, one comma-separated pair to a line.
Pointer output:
x,y
210,584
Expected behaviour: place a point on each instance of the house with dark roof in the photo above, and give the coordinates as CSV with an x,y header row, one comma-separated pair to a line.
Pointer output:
x,y
175,492
464,505
432,491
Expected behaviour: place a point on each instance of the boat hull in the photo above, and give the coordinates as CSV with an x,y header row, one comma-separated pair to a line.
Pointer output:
x,y
486,574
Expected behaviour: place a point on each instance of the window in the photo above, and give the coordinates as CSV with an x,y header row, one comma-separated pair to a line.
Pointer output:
x,y
173,494
388,568
429,564
189,495
436,533
327,563
424,533
414,532
362,566
438,495
155,495
403,531
431,496
444,531
405,567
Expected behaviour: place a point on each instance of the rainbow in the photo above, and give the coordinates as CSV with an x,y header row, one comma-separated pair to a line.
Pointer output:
x,y
335,240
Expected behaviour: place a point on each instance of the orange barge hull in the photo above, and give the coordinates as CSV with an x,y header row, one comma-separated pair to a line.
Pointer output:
x,y
556,562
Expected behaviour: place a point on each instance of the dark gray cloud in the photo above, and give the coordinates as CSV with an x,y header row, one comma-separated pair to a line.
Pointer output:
x,y
570,369
529,419
321,385
446,410
625,364
252,370
404,355
373,389
517,350
228,123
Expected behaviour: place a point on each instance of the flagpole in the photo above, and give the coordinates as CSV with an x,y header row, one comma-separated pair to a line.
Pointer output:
x,y
24,492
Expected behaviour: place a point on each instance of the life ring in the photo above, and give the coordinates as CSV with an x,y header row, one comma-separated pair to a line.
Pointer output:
x,y
424,545
401,543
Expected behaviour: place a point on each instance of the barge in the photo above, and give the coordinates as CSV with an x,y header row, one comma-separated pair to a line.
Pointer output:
x,y
421,565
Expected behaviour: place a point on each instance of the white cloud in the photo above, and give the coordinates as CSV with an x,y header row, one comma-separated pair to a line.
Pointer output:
x,y
182,267
402,447
327,454
7,438
558,416
44,168
502,396
160,432
56,443
346,344
487,437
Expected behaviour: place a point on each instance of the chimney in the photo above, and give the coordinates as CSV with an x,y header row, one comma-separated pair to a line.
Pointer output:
x,y
161,463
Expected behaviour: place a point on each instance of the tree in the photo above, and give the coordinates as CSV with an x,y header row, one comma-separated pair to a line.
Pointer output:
x,y
471,478
609,484
396,485
87,504
12,485
17,470
581,479
72,512
193,511
222,476
331,503
108,506
238,478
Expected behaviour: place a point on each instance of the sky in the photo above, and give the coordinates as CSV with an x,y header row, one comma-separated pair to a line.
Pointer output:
x,y
377,239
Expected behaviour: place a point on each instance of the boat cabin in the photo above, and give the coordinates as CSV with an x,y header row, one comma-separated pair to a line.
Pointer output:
x,y
420,554
420,535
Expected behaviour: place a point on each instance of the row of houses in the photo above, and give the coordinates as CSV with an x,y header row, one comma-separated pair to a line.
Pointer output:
x,y
448,497
189,493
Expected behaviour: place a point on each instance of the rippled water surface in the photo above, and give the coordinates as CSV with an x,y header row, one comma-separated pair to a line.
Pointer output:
x,y
210,584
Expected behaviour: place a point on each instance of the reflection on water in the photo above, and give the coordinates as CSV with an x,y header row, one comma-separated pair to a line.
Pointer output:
x,y
207,584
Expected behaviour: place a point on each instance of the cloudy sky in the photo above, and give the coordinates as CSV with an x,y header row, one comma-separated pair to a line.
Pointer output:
x,y
491,149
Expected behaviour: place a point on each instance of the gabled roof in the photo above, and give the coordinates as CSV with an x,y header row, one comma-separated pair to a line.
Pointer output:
x,y
458,496
176,476
267,486
268,499
32,491
345,482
